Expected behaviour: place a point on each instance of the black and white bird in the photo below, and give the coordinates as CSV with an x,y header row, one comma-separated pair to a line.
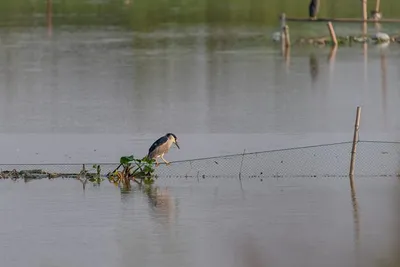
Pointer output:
x,y
313,9
161,146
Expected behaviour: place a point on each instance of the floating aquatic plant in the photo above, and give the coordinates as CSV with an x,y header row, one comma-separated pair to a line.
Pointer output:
x,y
137,170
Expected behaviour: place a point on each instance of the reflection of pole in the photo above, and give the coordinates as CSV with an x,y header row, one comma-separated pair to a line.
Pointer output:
x,y
332,57
383,83
282,31
287,58
352,188
49,18
331,60
365,45
356,221
365,52
287,36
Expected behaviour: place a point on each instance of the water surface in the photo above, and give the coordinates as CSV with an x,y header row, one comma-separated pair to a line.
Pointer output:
x,y
213,222
93,94
89,81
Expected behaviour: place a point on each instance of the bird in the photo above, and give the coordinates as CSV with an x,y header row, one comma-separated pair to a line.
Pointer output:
x,y
375,15
313,9
161,147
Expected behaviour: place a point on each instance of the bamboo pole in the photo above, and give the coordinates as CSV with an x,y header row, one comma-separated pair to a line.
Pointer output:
x,y
364,9
241,165
377,5
332,54
355,141
287,36
384,86
49,18
332,33
282,30
282,18
364,15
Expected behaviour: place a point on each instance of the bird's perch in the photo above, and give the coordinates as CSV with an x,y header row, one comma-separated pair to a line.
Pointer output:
x,y
332,33
355,141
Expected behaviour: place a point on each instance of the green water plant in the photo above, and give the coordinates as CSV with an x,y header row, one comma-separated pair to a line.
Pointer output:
x,y
85,176
133,169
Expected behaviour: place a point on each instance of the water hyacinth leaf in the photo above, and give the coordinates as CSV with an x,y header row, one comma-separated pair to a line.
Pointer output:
x,y
148,181
126,159
148,169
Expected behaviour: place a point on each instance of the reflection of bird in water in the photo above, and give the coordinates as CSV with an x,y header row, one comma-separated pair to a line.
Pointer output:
x,y
161,203
250,253
313,9
313,67
162,146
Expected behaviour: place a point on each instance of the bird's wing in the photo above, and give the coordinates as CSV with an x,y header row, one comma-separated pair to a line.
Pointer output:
x,y
158,146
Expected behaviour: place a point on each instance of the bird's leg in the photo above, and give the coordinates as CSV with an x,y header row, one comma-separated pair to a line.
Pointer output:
x,y
157,163
162,157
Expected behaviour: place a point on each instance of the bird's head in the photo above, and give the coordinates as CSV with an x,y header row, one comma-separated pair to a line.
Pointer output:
x,y
174,139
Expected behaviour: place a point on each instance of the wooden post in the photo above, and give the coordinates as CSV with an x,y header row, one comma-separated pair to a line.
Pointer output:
x,y
377,5
364,16
282,30
332,33
364,9
355,141
241,165
49,17
287,36
283,20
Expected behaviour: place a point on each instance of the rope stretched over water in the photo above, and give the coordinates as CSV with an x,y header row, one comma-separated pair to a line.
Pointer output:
x,y
324,160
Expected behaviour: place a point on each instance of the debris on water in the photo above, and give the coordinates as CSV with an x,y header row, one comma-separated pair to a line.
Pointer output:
x,y
276,36
377,38
380,37
33,174
361,39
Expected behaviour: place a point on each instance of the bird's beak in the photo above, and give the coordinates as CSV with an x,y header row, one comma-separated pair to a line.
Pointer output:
x,y
176,143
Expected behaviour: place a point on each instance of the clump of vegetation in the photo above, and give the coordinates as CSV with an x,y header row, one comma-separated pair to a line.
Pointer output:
x,y
140,171
348,40
95,178
137,170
